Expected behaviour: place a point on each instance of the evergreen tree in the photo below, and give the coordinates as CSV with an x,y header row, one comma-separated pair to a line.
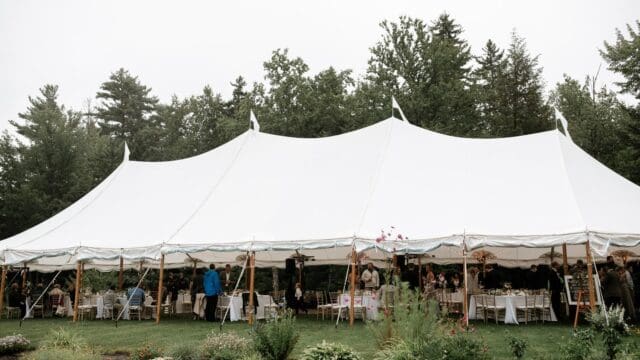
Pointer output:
x,y
521,90
490,78
124,113
623,57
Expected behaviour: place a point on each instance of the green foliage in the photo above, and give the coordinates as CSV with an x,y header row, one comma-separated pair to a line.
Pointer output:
x,y
14,344
64,339
275,339
518,346
329,351
579,346
183,351
610,324
225,346
147,351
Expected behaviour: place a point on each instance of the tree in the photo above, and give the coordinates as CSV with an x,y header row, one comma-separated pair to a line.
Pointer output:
x,y
490,76
521,92
124,112
594,116
428,69
47,172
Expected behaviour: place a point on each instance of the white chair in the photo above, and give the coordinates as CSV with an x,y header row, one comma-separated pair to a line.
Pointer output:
x,y
481,310
493,310
136,306
108,304
85,308
528,309
543,305
223,305
321,305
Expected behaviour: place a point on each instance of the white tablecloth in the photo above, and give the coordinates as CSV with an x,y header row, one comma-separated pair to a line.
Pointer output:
x,y
371,302
180,301
510,302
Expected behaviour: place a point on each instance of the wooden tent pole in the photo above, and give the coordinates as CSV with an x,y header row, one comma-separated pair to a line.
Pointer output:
x,y
592,293
121,274
160,283
465,290
420,272
24,275
252,273
3,284
565,259
352,289
248,278
77,291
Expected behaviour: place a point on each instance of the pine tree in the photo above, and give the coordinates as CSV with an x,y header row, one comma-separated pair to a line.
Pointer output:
x,y
124,112
489,78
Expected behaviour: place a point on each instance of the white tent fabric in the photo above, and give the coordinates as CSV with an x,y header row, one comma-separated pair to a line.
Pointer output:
x,y
274,195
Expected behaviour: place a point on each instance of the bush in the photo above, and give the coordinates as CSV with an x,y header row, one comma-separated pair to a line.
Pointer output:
x,y
14,344
611,325
184,352
579,346
63,354
463,346
64,339
329,351
225,346
518,346
146,352
275,339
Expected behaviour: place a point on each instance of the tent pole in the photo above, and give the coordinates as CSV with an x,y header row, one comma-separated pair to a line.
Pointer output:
x,y
126,305
193,276
24,275
465,289
352,290
3,284
565,259
248,278
252,273
420,272
344,287
235,289
77,291
592,294
121,274
160,283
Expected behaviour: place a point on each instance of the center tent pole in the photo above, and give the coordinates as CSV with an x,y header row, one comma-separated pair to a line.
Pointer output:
x,y
3,284
160,283
252,273
352,290
77,290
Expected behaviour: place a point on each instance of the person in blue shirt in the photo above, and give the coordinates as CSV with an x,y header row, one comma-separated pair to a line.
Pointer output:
x,y
212,288
138,293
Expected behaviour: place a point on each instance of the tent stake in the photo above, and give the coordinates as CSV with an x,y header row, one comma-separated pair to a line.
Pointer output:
x,y
592,295
77,291
252,273
160,283
3,284
352,291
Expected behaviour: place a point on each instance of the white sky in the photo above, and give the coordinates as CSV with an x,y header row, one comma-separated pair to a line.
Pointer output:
x,y
178,47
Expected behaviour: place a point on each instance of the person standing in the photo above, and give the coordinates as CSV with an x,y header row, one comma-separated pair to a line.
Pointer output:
x,y
226,278
556,287
212,289
370,277
611,287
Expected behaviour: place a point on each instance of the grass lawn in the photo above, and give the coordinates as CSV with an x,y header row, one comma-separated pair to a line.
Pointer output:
x,y
544,340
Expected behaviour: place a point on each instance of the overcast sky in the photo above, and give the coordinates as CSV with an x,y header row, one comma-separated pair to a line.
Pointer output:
x,y
178,47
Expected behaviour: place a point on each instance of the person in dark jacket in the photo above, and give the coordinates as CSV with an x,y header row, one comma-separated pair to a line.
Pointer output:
x,y
532,278
17,299
212,288
556,283
611,287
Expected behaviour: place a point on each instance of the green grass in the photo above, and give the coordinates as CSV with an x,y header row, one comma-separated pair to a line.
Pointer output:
x,y
544,340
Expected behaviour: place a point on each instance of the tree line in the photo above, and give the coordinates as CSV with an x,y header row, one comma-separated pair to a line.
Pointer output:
x,y
61,153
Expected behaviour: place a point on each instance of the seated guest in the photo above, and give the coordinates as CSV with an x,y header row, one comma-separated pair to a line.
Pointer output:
x,y
455,281
17,299
37,292
71,290
299,299
183,283
441,281
136,292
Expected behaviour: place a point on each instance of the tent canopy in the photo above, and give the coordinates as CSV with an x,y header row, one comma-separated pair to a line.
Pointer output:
x,y
274,195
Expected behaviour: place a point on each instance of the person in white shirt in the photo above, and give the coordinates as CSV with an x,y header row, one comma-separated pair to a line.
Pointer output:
x,y
226,279
370,278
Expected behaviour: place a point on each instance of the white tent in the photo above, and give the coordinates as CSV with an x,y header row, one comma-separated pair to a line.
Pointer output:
x,y
517,197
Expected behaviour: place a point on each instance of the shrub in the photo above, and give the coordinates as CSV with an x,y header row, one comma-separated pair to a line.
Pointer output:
x,y
14,344
184,352
225,346
64,339
611,325
579,346
463,346
518,346
329,351
146,352
275,339
63,354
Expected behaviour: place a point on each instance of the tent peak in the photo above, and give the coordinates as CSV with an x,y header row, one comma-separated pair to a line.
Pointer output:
x,y
126,152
